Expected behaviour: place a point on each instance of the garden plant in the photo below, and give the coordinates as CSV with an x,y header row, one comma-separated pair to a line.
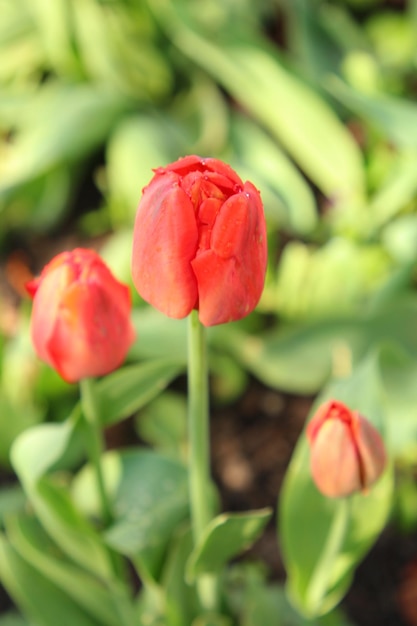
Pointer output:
x,y
197,199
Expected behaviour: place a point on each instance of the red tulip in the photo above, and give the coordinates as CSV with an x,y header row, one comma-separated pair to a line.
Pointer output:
x,y
200,242
80,319
347,452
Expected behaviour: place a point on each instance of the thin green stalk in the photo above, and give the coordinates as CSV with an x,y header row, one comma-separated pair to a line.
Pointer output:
x,y
199,442
95,442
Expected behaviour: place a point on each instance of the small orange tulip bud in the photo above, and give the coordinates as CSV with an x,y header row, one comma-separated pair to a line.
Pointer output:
x,y
200,242
80,320
347,452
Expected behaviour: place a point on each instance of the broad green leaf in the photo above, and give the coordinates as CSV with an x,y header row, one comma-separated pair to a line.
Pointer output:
x,y
69,529
129,166
163,424
308,282
181,598
50,130
225,537
400,238
115,44
54,24
34,453
37,449
158,335
321,556
12,500
396,192
27,537
13,619
38,597
398,374
212,620
125,391
294,208
150,498
301,357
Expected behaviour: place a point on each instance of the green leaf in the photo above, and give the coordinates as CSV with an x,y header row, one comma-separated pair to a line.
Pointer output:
x,y
212,619
50,130
301,357
37,449
34,453
321,556
125,391
182,603
395,118
159,335
398,375
27,537
163,424
129,166
299,118
13,619
12,500
150,498
293,206
69,529
38,597
225,537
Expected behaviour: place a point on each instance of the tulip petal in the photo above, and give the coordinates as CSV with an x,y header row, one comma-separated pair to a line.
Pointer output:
x,y
335,466
230,275
90,337
45,310
165,242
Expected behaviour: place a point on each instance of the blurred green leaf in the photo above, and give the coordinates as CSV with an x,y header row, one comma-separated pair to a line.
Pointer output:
x,y
13,619
400,238
54,25
27,537
226,536
12,500
150,498
294,207
181,598
41,599
158,335
115,43
125,391
129,164
163,424
61,124
34,453
299,118
308,281
301,357
394,117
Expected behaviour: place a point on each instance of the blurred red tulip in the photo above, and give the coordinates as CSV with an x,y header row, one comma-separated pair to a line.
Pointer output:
x,y
347,452
80,319
200,242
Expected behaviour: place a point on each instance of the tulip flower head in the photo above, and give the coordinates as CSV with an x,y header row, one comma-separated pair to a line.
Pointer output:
x,y
347,452
80,319
200,242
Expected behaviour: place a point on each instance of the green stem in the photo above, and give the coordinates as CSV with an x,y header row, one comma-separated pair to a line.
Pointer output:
x,y
199,441
95,443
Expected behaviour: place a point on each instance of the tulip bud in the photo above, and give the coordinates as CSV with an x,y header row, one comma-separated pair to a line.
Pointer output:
x,y
200,242
80,319
347,452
